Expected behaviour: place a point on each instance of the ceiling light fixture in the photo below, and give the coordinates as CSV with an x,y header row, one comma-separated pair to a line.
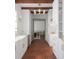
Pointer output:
x,y
34,11
43,11
39,11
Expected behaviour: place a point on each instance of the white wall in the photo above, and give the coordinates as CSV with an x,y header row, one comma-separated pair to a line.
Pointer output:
x,y
26,21
23,20
53,31
39,16
18,20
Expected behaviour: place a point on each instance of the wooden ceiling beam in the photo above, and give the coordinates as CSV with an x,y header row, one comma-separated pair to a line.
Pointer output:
x,y
34,1
36,8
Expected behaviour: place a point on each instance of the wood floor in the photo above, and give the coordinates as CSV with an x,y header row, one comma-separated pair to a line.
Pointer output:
x,y
39,49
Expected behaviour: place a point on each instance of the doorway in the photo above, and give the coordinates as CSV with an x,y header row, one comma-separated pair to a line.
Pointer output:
x,y
39,28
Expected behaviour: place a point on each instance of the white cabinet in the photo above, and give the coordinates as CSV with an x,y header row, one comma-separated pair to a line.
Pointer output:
x,y
20,48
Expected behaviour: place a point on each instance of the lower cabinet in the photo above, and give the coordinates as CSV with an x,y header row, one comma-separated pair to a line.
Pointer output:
x,y
57,47
20,48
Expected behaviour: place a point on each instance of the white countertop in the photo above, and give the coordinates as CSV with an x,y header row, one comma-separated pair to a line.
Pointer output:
x,y
19,37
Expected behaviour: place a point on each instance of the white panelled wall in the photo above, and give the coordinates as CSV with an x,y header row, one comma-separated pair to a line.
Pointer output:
x,y
55,21
53,31
23,30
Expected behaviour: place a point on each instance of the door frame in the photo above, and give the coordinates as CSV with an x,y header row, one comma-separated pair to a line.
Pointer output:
x,y
39,20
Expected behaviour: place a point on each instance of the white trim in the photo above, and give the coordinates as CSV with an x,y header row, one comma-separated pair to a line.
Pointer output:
x,y
34,4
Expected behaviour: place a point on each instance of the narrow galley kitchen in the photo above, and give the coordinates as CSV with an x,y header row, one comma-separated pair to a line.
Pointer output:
x,y
37,30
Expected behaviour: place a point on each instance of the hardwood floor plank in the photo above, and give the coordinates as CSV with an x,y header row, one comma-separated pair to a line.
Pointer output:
x,y
39,49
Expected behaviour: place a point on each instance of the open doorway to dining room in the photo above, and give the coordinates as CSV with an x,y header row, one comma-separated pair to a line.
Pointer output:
x,y
39,28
